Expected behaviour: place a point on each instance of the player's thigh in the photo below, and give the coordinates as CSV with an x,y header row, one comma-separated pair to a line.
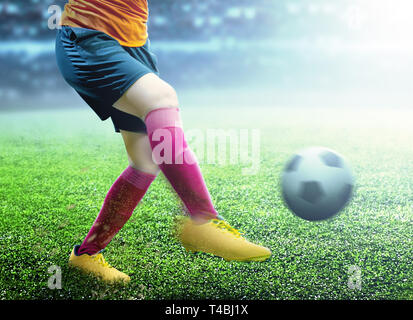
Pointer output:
x,y
148,93
139,151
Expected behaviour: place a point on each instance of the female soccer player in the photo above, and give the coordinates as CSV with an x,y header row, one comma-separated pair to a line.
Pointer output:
x,y
103,52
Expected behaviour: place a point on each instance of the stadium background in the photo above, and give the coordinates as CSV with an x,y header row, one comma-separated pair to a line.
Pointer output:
x,y
334,53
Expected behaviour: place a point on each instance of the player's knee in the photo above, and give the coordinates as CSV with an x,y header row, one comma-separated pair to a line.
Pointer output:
x,y
145,166
165,98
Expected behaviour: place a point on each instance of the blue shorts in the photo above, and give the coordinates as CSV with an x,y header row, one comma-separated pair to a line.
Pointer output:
x,y
101,70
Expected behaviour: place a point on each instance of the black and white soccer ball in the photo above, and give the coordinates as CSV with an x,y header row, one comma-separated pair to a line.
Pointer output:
x,y
317,183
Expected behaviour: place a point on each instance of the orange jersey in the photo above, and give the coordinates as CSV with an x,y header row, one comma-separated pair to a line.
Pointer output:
x,y
124,20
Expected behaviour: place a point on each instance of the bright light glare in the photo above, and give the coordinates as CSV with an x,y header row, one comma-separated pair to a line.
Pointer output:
x,y
389,22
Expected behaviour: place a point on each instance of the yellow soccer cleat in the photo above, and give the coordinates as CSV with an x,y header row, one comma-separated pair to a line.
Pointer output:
x,y
97,266
218,238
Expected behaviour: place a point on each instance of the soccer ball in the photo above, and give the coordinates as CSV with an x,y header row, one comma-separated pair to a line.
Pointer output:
x,y
317,183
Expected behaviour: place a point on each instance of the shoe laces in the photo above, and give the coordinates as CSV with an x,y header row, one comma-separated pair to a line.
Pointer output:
x,y
99,258
221,224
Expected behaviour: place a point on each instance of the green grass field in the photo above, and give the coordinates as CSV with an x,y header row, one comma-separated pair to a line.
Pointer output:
x,y
56,167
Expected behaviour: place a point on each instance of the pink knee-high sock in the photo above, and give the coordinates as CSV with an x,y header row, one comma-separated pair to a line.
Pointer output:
x,y
177,162
121,200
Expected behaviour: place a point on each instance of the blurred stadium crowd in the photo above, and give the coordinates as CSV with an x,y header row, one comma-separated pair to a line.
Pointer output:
x,y
184,20
198,43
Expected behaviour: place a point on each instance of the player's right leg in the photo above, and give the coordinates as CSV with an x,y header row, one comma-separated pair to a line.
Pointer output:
x,y
155,101
119,204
